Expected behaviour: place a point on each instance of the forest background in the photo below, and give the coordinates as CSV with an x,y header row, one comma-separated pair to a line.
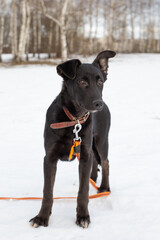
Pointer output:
x,y
64,27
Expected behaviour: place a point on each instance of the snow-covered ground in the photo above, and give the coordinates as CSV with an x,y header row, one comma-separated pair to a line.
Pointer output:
x,y
132,210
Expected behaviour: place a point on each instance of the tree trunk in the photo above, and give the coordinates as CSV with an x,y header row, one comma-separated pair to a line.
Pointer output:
x,y
1,28
14,40
63,31
105,20
90,27
39,34
62,25
125,35
150,28
21,49
111,24
34,32
50,39
63,43
82,44
28,28
132,25
71,20
96,25
158,41
57,39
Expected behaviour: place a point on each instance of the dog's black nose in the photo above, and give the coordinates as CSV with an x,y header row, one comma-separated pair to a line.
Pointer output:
x,y
98,104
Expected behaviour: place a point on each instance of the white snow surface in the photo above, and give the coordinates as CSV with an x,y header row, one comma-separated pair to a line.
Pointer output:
x,y
132,211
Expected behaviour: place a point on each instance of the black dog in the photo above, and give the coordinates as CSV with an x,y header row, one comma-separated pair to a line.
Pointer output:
x,y
81,97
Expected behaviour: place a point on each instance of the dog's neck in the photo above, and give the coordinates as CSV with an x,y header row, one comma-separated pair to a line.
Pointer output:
x,y
72,106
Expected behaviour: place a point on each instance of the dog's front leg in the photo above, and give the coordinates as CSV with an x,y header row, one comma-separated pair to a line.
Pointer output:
x,y
83,218
42,218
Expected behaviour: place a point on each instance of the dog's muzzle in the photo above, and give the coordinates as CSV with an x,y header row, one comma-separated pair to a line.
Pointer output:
x,y
98,105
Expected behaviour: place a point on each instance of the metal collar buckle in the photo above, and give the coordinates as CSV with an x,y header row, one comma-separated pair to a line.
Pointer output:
x,y
76,130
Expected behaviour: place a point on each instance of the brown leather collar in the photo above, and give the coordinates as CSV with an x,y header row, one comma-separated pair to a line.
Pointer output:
x,y
73,121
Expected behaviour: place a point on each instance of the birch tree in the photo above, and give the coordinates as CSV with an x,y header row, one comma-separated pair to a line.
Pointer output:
x,y
105,20
141,23
34,17
96,24
21,47
24,31
1,27
111,15
39,34
150,27
57,41
90,26
62,24
27,34
13,25
158,25
132,24
50,38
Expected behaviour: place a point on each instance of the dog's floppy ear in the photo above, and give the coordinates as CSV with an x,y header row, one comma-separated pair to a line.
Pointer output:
x,y
68,69
101,61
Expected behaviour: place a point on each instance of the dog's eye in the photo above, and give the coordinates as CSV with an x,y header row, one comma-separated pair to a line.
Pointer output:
x,y
99,82
83,83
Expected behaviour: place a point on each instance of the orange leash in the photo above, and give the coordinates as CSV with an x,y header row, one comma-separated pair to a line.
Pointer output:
x,y
98,195
75,149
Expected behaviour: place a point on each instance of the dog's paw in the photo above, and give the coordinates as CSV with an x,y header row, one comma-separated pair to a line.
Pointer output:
x,y
39,221
83,221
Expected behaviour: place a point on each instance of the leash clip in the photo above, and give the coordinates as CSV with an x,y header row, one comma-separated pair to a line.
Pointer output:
x,y
76,130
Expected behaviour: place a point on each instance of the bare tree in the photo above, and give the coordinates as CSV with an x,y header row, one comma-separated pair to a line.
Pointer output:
x,y
50,38
96,24
90,26
57,40
24,31
21,47
1,28
105,25
34,32
158,25
82,43
132,15
70,26
111,14
141,23
150,27
125,32
28,20
13,24
39,34
62,24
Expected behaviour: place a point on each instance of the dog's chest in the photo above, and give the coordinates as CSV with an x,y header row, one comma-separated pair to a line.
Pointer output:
x,y
64,151
63,145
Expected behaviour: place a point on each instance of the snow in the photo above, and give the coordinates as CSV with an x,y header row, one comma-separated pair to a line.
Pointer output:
x,y
7,59
132,93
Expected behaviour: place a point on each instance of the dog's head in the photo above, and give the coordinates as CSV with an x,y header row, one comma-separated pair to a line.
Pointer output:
x,y
84,82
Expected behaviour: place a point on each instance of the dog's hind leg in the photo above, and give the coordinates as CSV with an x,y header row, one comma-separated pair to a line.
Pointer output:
x,y
101,148
42,218
96,161
105,176
94,173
